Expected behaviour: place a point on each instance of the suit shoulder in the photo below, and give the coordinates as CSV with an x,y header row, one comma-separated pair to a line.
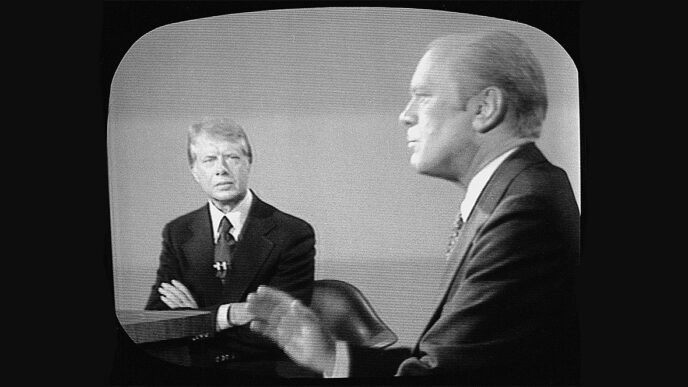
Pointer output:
x,y
541,177
289,221
183,221
544,185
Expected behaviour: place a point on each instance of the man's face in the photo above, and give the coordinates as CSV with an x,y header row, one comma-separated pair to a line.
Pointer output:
x,y
437,127
221,169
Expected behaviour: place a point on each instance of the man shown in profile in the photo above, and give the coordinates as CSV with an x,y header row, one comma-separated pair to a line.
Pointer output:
x,y
506,311
213,257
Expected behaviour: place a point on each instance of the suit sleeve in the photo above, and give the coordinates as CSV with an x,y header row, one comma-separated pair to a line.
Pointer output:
x,y
168,269
296,268
502,313
293,273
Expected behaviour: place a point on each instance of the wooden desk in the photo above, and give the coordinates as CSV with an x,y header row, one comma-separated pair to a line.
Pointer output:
x,y
146,326
170,336
166,334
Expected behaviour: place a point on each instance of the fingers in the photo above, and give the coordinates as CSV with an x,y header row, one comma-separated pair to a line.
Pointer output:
x,y
169,297
290,324
239,314
175,297
273,294
266,329
268,303
269,309
280,315
187,294
170,303
258,326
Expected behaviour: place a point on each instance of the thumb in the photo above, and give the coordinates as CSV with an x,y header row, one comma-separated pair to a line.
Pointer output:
x,y
258,327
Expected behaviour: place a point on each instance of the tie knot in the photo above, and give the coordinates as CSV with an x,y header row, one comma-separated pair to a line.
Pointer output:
x,y
225,225
458,223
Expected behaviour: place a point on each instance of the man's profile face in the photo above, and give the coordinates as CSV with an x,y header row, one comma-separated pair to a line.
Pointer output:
x,y
221,169
437,126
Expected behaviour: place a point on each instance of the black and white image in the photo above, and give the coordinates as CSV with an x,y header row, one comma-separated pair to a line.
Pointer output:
x,y
430,159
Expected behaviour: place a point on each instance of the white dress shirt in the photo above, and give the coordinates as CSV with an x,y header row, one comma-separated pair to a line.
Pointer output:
x,y
475,188
478,183
237,216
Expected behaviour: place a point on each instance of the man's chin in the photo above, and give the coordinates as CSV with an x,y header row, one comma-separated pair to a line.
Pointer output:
x,y
419,165
229,197
427,169
415,162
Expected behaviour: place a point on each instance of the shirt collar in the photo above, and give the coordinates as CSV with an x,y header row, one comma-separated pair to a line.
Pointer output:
x,y
237,216
478,183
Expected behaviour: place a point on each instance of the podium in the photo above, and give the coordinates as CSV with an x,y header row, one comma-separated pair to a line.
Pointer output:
x,y
167,335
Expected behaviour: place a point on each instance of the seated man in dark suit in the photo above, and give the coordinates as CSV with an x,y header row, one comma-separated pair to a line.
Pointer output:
x,y
506,313
213,257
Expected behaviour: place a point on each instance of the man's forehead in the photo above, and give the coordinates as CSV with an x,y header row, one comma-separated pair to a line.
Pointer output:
x,y
206,141
432,70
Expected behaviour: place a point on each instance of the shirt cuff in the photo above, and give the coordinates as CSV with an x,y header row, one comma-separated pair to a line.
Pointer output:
x,y
341,361
221,321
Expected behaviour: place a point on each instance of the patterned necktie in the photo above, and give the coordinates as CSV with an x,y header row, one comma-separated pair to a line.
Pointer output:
x,y
223,249
458,223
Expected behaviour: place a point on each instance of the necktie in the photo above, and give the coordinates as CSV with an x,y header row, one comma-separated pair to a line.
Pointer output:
x,y
458,223
223,249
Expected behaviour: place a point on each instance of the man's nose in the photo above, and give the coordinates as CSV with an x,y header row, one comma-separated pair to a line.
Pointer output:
x,y
221,168
408,116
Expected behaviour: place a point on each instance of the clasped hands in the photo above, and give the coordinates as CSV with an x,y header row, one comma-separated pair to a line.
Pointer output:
x,y
175,295
276,315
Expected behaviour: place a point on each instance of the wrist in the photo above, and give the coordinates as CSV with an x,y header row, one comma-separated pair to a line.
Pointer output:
x,y
329,358
229,315
222,317
329,366
342,362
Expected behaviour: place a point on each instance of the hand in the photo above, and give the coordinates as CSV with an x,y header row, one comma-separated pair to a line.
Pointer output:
x,y
293,326
177,295
238,314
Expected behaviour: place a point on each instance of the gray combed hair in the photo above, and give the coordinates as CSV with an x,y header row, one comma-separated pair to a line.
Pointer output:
x,y
503,60
223,128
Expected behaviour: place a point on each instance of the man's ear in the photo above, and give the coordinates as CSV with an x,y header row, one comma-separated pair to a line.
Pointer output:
x,y
193,172
489,107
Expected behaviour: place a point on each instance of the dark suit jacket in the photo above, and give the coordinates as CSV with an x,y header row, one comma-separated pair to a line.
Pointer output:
x,y
275,249
507,311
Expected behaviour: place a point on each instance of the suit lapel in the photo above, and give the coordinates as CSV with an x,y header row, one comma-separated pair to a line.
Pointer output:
x,y
251,251
463,244
484,207
201,240
200,250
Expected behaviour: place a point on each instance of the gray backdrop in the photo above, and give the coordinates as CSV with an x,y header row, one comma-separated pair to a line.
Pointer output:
x,y
319,92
